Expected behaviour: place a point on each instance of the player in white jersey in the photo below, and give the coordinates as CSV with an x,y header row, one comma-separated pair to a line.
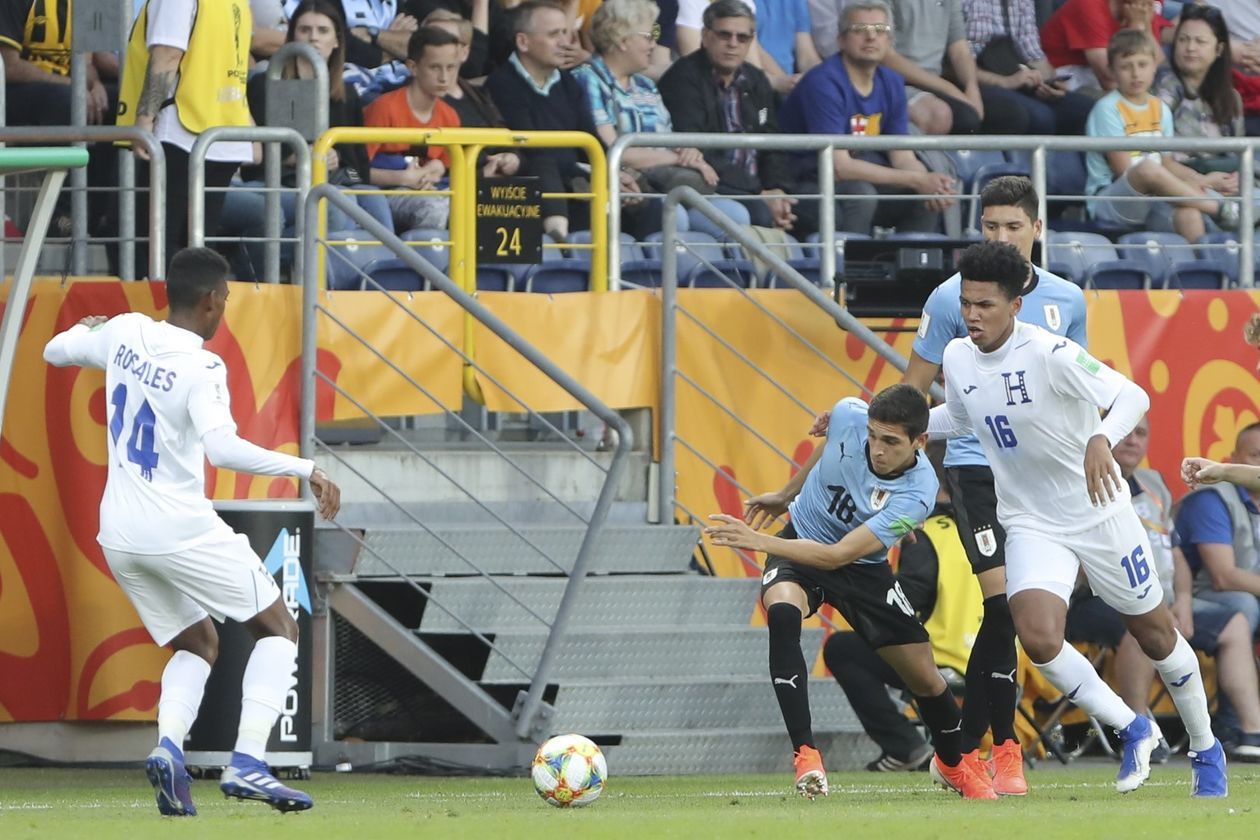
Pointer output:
x,y
178,562
1033,399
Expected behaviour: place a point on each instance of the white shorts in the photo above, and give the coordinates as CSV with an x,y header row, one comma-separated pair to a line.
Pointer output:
x,y
221,577
1115,554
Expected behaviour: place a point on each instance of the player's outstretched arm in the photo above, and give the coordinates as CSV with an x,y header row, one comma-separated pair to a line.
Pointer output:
x,y
84,344
327,493
760,511
227,451
1201,471
734,533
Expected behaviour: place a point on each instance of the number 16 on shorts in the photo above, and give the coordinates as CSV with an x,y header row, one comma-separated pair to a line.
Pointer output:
x,y
1137,567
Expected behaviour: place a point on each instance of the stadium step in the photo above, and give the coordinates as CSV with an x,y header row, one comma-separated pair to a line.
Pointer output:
x,y
734,750
691,704
549,549
627,601
669,652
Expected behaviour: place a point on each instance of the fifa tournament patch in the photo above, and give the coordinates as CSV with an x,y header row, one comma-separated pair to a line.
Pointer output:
x,y
923,325
986,542
1091,365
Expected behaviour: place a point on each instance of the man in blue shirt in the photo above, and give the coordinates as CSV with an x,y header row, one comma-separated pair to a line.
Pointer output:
x,y
865,488
1008,214
851,93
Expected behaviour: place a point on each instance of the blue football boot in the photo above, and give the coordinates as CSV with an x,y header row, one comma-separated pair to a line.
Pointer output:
x,y
170,780
1207,772
248,778
1137,740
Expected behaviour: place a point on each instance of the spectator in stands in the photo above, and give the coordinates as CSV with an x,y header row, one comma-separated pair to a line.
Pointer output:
x,y
491,40
690,22
1213,628
380,32
715,90
433,59
622,100
318,23
852,93
1200,93
35,44
1120,180
1007,48
271,22
1218,525
533,93
178,82
1243,20
783,31
934,575
1076,36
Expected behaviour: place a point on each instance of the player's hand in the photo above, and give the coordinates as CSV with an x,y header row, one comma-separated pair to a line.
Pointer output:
x,y
1101,473
732,532
1201,471
760,511
93,320
821,422
326,492
1183,614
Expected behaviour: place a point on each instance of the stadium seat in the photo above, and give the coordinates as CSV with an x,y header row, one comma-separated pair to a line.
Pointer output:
x,y
1154,251
1198,274
394,275
558,275
1073,252
427,242
1117,274
344,264
500,278
1065,175
1222,247
629,248
967,163
702,261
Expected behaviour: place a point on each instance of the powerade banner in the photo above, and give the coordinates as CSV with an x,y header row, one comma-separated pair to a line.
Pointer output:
x,y
280,533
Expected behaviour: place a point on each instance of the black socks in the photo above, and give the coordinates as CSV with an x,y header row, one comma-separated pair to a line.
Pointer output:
x,y
991,688
788,672
941,715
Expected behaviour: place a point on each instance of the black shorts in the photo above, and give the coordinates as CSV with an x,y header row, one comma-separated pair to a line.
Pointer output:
x,y
975,511
866,594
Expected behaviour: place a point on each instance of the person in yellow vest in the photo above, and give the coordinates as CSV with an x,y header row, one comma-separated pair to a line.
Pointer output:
x,y
935,576
185,71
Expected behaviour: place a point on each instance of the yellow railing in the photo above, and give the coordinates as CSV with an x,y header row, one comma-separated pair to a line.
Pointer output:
x,y
465,146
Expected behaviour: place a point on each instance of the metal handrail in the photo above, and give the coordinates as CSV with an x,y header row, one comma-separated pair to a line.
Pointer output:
x,y
528,705
271,136
824,144
126,192
693,200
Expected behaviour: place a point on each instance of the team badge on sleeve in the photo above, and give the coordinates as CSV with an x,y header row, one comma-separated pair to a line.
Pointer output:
x,y
879,498
923,325
986,542
1053,319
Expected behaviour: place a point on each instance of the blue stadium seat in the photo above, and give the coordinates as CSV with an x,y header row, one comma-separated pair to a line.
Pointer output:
x,y
500,278
427,242
629,248
1198,274
1117,274
344,264
1073,252
394,275
968,163
1156,252
702,260
1223,249
556,276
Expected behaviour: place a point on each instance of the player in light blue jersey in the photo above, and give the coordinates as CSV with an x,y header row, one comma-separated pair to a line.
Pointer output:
x,y
865,488
1008,214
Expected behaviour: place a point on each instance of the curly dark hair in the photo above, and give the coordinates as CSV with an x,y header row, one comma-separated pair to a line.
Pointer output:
x,y
995,262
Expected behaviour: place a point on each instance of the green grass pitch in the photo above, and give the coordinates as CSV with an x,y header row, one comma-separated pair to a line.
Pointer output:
x,y
1075,802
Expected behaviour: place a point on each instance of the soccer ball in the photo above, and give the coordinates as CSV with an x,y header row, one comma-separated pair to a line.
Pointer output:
x,y
569,771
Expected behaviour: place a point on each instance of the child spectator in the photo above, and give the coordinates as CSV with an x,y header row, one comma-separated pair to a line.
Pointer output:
x,y
1123,180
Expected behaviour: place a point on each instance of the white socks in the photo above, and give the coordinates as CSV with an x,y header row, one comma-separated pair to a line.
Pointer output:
x,y
1071,673
1180,673
269,675
183,683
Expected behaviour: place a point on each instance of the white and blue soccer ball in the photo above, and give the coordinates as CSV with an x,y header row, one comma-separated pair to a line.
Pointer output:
x,y
569,771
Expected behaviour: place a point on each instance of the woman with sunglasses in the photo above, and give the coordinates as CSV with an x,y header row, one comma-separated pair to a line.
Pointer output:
x,y
1200,93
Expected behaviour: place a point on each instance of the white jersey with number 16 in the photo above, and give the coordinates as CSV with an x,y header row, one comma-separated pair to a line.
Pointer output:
x,y
163,392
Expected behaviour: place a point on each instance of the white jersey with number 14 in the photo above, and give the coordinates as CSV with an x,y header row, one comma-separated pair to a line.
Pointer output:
x,y
1033,403
163,392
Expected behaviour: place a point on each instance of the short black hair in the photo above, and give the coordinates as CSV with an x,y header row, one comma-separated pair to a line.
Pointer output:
x,y
901,405
193,274
995,262
428,36
1010,191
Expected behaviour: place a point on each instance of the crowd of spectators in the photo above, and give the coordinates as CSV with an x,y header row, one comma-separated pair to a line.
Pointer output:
x,y
608,67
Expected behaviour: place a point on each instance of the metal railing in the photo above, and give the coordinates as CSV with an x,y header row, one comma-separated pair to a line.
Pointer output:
x,y
824,145
525,718
272,233
670,311
127,184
